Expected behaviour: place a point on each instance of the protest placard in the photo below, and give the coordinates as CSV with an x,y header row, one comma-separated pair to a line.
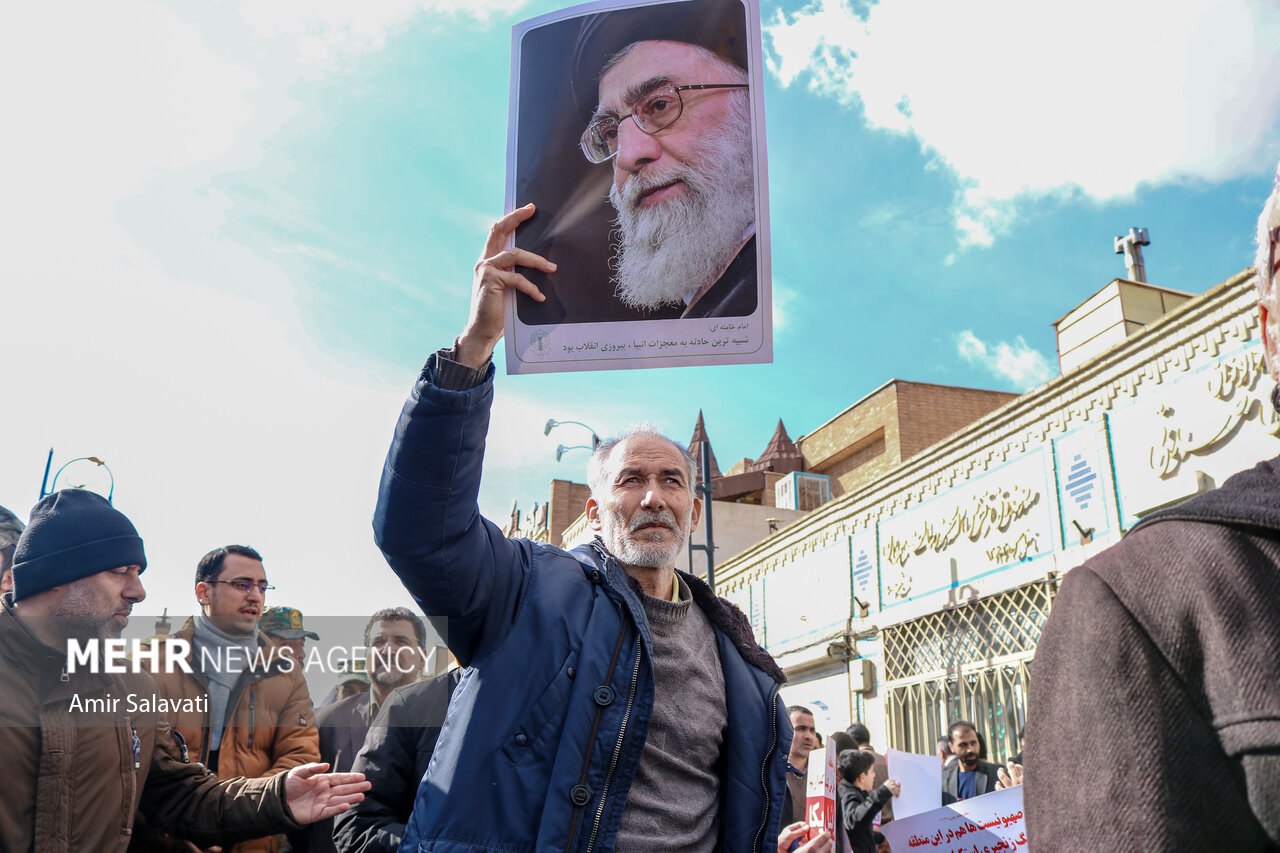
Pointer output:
x,y
992,823
637,128
921,778
820,799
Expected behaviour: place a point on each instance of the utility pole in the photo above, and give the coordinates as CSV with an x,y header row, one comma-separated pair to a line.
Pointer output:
x,y
704,491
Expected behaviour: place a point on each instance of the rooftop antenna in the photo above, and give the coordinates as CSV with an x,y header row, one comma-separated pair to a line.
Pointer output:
x,y
1130,245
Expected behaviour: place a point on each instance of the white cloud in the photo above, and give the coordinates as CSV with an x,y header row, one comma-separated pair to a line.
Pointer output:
x,y
327,31
1025,99
785,299
1014,362
134,329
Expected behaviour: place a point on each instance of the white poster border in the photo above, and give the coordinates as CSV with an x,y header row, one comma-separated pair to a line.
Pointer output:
x,y
632,344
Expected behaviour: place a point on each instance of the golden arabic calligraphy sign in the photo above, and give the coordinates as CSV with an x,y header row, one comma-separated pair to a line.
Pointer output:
x,y
988,511
1230,403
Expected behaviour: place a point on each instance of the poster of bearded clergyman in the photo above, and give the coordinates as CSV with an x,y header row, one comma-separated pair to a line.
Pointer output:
x,y
637,130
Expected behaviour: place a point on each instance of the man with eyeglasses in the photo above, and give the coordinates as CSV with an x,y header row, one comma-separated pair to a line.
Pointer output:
x,y
258,719
674,123
664,97
1158,673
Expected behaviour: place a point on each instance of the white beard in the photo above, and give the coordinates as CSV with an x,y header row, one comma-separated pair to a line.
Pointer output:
x,y
615,531
684,244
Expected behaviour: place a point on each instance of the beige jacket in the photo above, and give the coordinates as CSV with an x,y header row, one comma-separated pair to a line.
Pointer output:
x,y
270,726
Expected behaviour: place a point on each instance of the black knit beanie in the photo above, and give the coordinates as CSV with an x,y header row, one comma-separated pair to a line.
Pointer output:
x,y
72,534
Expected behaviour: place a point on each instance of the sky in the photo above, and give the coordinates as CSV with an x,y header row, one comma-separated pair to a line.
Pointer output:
x,y
232,232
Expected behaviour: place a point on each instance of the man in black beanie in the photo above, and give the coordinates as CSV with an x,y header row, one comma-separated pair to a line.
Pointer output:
x,y
84,755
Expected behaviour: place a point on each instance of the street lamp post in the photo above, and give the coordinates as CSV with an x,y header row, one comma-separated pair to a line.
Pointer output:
x,y
562,449
552,423
48,487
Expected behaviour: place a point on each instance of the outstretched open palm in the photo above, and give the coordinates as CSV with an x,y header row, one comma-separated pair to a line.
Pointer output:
x,y
312,794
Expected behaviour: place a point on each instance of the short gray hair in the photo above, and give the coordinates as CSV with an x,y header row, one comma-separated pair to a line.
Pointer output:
x,y
598,464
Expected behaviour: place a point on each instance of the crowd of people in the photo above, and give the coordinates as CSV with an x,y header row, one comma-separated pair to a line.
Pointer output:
x,y
605,700
256,722
864,789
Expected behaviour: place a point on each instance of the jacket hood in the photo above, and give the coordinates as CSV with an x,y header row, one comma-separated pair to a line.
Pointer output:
x,y
726,616
1247,500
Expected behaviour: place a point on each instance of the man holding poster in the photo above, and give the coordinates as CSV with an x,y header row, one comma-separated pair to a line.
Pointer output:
x,y
609,702
656,219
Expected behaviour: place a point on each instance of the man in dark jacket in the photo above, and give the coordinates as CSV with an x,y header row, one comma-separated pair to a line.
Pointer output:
x,y
610,702
83,753
393,639
394,760
1157,679
968,776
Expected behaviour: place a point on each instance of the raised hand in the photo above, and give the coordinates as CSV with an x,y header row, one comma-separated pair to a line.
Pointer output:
x,y
1010,778
494,275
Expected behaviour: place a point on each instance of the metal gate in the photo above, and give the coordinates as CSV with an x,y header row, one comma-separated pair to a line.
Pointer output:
x,y
967,662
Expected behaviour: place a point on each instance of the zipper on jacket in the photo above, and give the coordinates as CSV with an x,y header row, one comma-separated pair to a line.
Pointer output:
x,y
764,768
595,727
253,695
130,775
617,747
135,743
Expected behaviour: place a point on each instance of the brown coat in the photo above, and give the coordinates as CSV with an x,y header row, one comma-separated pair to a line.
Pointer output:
x,y
269,728
1153,720
75,779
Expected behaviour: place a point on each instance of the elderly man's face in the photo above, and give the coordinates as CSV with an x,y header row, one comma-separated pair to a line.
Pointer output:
x,y
685,195
704,111
648,508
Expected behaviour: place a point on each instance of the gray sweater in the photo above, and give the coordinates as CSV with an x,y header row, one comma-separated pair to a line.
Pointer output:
x,y
674,801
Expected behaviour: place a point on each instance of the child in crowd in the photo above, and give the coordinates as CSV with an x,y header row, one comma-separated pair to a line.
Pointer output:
x,y
860,800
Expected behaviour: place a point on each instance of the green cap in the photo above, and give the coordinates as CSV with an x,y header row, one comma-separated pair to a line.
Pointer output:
x,y
284,622
11,528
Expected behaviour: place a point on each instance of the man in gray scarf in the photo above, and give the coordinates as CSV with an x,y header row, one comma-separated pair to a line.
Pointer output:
x,y
258,719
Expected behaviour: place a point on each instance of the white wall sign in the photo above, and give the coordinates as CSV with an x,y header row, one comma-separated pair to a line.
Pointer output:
x,y
1002,517
808,598
1085,489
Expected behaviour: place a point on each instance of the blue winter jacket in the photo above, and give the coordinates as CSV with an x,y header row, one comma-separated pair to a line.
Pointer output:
x,y
545,730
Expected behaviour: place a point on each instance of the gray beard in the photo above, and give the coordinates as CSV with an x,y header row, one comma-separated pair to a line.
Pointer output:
x,y
683,244
629,552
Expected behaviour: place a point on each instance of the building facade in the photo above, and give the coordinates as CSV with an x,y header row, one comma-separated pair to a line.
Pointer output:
x,y
917,596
